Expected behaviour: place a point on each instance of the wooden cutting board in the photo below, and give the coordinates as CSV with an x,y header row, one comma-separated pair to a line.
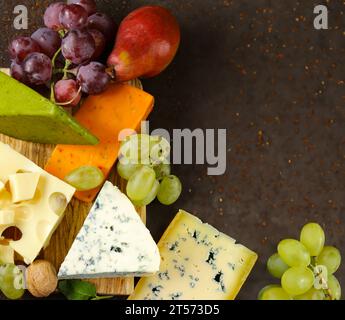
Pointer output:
x,y
74,218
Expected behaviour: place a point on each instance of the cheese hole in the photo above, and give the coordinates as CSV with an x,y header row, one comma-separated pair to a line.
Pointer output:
x,y
12,233
57,203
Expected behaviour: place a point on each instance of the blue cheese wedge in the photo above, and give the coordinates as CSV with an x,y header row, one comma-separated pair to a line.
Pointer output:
x,y
113,242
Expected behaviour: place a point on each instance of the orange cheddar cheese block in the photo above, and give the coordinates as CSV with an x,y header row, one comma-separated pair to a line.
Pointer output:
x,y
105,115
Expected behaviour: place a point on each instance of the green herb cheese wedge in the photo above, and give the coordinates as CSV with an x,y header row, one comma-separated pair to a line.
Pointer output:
x,y
26,115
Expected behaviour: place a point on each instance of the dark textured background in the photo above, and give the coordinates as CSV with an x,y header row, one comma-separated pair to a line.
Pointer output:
x,y
259,69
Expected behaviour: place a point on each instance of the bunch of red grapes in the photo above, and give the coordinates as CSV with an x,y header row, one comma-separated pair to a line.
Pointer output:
x,y
77,32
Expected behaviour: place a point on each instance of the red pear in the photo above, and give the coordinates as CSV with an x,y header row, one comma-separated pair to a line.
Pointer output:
x,y
146,43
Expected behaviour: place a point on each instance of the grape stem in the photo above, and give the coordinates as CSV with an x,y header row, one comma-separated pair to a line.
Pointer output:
x,y
111,72
73,71
52,93
65,69
55,57
65,72
327,292
62,33
69,102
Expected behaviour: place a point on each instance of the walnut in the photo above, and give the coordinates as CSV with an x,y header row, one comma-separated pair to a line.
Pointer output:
x,y
41,278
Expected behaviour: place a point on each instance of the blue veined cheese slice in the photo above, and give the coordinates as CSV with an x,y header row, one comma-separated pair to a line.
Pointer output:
x,y
198,263
113,242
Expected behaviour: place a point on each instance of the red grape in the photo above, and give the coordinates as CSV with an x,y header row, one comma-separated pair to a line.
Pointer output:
x,y
20,47
93,78
51,16
78,46
99,39
17,72
49,40
88,5
67,90
37,68
103,23
73,16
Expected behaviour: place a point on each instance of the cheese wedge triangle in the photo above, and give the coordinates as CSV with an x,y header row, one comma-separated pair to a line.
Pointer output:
x,y
113,242
28,116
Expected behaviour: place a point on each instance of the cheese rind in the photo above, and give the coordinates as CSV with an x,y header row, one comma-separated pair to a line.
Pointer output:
x,y
23,185
36,219
198,263
113,241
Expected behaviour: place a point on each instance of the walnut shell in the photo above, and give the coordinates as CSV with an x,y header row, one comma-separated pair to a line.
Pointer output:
x,y
41,279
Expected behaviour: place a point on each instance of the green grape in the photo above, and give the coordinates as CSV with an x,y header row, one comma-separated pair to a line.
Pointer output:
x,y
294,253
334,288
297,280
313,238
331,258
141,183
150,197
85,178
136,149
170,190
159,150
162,170
127,170
11,281
263,290
273,292
312,294
276,266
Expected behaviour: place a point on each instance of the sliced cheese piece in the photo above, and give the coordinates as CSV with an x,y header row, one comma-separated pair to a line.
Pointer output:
x,y
106,115
37,219
7,217
2,186
23,185
198,263
29,116
113,242
6,254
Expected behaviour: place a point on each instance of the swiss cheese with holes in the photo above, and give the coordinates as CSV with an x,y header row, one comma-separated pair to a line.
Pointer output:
x,y
31,200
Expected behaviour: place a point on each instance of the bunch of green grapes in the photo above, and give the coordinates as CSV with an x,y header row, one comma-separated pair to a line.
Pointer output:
x,y
11,281
305,268
143,163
